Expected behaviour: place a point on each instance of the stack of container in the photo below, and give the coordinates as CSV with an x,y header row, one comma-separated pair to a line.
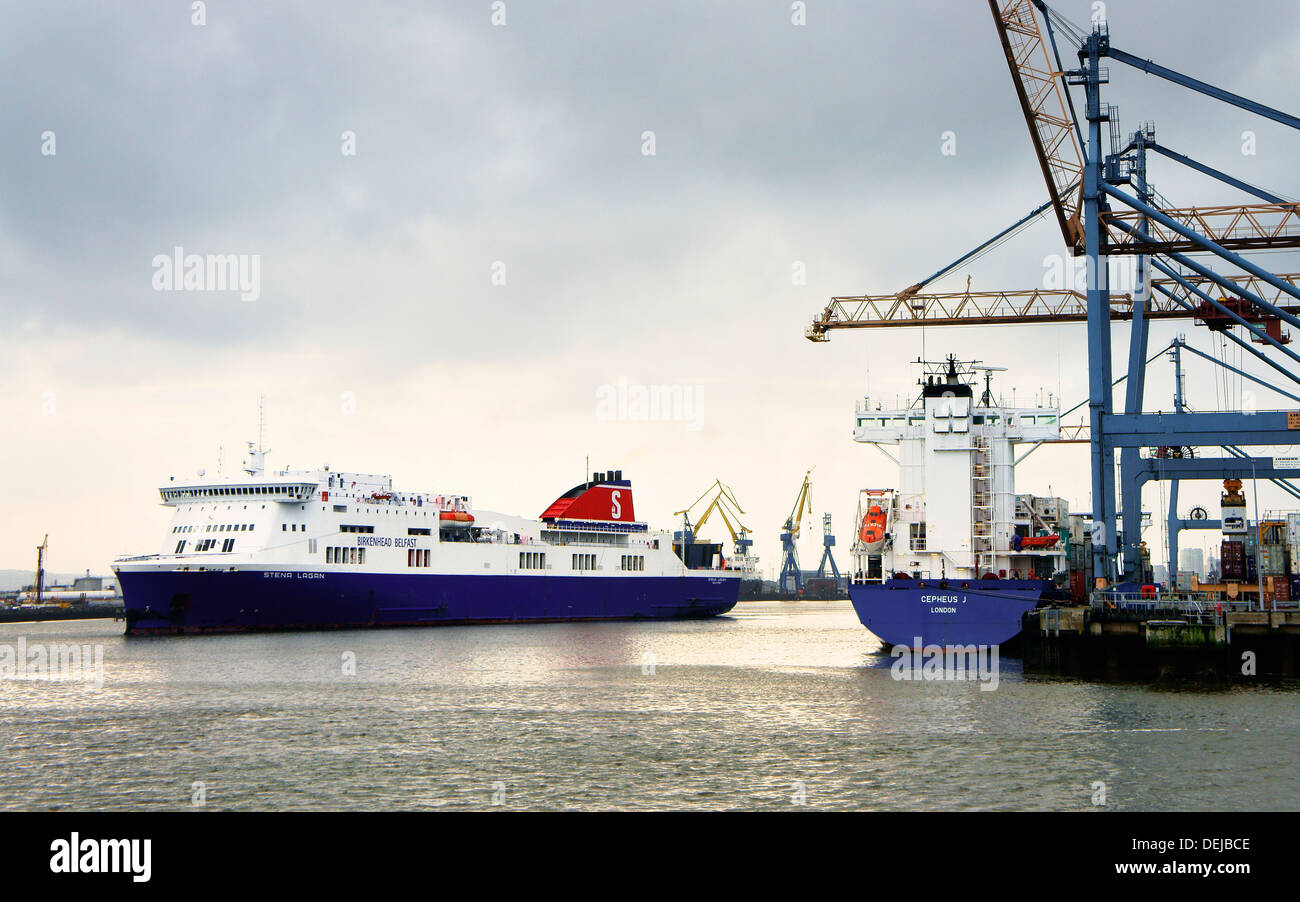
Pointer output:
x,y
1271,561
1232,561
1079,556
1293,550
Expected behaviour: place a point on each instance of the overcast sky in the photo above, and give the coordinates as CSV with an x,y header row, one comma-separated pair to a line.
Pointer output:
x,y
381,336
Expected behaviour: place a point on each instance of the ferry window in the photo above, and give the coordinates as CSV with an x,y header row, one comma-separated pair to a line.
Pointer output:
x,y
417,531
284,527
1027,420
1047,419
329,554
180,546
361,555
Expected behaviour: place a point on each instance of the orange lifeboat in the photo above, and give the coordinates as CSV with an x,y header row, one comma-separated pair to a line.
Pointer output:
x,y
455,519
873,526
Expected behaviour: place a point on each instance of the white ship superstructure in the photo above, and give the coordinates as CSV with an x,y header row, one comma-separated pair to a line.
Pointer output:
x,y
954,512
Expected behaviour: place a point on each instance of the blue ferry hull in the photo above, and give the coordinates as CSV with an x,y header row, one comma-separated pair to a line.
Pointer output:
x,y
213,601
958,612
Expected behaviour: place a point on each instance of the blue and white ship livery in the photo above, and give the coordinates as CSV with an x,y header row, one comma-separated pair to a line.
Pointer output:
x,y
316,549
953,556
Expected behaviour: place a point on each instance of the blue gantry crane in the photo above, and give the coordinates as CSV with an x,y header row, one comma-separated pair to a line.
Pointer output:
x,y
828,542
791,580
1105,205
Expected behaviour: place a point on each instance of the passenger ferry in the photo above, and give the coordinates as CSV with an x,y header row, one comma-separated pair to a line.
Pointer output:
x,y
317,549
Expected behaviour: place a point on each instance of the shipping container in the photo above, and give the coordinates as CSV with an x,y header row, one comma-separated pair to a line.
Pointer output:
x,y
1277,588
1271,560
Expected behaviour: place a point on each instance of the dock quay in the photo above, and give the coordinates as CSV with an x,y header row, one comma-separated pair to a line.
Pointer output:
x,y
1140,639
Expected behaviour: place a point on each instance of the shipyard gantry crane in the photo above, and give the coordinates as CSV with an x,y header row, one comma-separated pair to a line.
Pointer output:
x,y
729,511
1086,186
791,576
828,542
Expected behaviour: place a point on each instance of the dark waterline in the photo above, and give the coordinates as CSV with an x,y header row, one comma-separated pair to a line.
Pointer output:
x,y
776,703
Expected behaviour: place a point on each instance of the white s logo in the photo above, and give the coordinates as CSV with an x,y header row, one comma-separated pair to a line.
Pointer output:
x,y
616,511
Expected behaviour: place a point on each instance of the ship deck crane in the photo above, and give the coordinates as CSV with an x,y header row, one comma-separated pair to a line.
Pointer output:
x,y
791,576
1098,218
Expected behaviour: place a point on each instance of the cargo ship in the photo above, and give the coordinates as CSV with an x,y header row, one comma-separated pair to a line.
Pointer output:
x,y
318,549
951,555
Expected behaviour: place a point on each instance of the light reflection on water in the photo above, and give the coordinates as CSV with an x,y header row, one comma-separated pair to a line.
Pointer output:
x,y
726,713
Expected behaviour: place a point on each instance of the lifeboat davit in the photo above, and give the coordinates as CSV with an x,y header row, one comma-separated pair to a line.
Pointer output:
x,y
872,532
455,519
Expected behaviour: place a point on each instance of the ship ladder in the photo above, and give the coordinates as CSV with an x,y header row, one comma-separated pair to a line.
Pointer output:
x,y
981,500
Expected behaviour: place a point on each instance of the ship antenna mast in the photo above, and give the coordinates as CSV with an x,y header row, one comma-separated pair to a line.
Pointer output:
x,y
257,453
986,399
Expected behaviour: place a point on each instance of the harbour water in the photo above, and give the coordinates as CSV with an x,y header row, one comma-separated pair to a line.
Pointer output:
x,y
777,706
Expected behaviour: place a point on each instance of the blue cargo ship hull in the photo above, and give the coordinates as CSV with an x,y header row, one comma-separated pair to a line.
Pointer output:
x,y
215,601
952,612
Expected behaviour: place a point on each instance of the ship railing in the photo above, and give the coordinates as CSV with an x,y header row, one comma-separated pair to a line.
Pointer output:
x,y
1197,610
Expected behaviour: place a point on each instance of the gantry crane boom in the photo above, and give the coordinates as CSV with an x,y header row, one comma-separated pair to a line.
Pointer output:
x,y
1036,305
1052,127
